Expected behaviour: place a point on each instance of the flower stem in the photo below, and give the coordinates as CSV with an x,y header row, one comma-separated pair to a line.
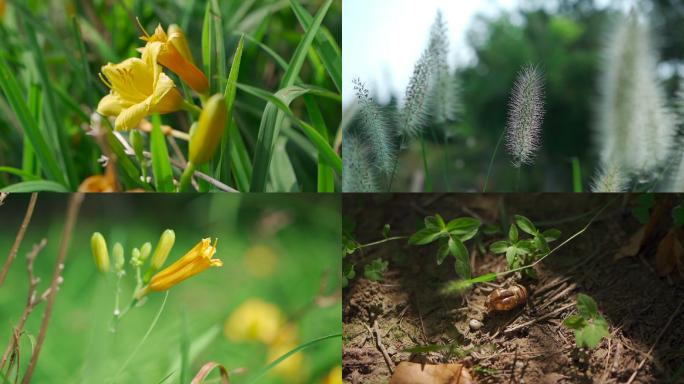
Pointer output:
x,y
192,108
491,161
186,178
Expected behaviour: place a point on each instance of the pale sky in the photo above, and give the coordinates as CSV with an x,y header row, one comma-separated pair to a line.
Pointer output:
x,y
382,39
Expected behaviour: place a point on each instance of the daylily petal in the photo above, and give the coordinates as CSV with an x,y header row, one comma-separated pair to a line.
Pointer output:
x,y
110,105
130,117
177,38
133,78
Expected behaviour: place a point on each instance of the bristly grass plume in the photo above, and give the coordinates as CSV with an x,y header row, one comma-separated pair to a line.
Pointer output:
x,y
375,131
357,174
525,116
443,96
610,179
635,128
413,115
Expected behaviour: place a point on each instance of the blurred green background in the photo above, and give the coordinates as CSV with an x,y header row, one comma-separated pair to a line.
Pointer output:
x,y
564,39
281,249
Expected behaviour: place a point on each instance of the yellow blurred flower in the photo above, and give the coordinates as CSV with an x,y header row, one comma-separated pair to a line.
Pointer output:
x,y
260,260
138,88
334,377
254,320
197,260
3,6
171,50
291,367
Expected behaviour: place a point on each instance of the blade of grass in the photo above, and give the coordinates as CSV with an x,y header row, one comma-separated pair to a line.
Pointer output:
x,y
35,186
36,108
220,46
576,175
130,174
239,158
161,166
51,117
12,91
328,155
325,45
87,77
273,118
326,177
207,45
261,373
283,178
27,176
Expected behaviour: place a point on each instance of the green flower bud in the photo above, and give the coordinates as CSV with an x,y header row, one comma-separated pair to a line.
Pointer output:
x,y
145,252
118,255
138,143
207,136
163,249
100,252
135,258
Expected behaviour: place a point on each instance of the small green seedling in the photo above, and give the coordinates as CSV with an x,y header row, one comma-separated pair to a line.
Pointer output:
x,y
375,269
589,326
521,252
451,238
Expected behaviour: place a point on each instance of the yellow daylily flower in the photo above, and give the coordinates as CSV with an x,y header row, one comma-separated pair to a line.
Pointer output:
x,y
254,320
172,51
197,260
138,88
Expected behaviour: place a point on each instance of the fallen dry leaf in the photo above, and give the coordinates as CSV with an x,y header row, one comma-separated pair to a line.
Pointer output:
x,y
648,232
670,253
633,245
416,373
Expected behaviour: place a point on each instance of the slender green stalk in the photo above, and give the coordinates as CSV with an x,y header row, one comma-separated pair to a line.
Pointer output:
x,y
186,178
491,161
382,241
428,181
576,175
396,161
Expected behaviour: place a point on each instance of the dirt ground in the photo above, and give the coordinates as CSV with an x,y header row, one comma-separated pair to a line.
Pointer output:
x,y
527,345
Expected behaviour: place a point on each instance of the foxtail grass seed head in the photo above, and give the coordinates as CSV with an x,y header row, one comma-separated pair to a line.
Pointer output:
x,y
635,128
377,135
443,95
525,116
118,256
413,115
98,246
164,246
357,172
145,251
610,179
207,135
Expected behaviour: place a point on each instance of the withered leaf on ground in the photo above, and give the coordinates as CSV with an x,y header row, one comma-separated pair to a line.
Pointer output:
x,y
670,253
649,232
416,373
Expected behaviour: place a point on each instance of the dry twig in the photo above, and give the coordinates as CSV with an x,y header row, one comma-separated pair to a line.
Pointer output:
x,y
19,238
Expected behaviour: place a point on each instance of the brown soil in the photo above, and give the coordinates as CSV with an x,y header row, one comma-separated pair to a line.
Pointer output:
x,y
408,310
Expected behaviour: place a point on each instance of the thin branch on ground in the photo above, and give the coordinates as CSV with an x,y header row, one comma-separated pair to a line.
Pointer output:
x,y
70,222
19,238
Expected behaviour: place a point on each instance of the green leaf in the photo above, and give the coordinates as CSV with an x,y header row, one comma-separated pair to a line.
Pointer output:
x,y
35,186
348,273
460,252
590,335
525,246
575,322
541,244
375,269
425,236
513,233
551,234
491,229
161,166
642,209
463,225
386,231
586,306
511,256
525,225
678,215
499,246
442,253
326,175
435,222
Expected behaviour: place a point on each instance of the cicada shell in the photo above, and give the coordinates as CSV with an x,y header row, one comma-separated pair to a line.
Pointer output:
x,y
505,299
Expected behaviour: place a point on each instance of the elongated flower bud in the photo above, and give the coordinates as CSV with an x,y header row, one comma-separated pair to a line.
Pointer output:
x,y
145,251
525,116
100,252
135,258
118,255
207,136
163,249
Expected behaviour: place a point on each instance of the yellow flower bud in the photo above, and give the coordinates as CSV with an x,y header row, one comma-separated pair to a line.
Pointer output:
x,y
100,252
145,251
163,249
118,255
207,136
